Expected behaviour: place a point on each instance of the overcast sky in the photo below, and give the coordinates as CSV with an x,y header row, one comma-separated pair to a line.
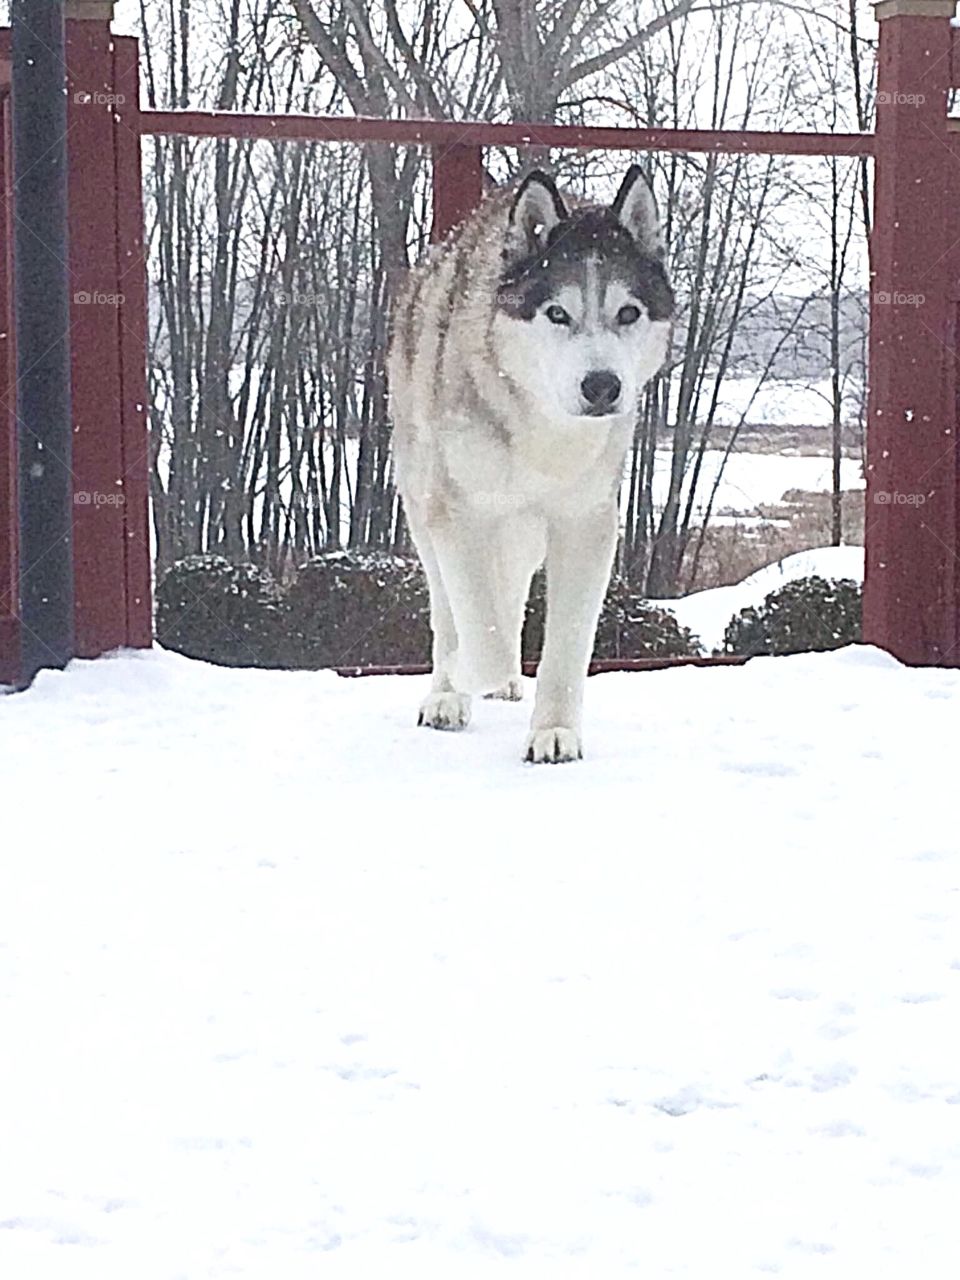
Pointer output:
x,y
127,21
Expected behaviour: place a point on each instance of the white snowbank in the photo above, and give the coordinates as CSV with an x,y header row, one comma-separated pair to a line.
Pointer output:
x,y
290,988
707,613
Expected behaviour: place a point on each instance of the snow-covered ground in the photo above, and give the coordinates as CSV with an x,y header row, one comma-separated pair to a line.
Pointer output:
x,y
707,613
290,988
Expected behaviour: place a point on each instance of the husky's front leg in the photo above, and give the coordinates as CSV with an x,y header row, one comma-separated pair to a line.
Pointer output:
x,y
579,558
477,560
444,707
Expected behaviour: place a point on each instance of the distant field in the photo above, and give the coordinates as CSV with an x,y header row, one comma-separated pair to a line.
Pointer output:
x,y
768,505
754,480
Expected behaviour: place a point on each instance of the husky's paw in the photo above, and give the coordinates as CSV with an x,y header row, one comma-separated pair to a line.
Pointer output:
x,y
553,746
445,711
512,691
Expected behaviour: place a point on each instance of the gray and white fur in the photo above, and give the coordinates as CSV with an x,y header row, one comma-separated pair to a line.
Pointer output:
x,y
519,352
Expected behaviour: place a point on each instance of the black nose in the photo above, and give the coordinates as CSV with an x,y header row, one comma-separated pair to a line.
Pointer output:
x,y
601,389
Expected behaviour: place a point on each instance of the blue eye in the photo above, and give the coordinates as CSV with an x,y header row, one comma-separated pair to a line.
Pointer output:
x,y
628,314
557,315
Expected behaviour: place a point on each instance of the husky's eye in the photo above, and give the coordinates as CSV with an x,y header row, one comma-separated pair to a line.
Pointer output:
x,y
628,314
557,315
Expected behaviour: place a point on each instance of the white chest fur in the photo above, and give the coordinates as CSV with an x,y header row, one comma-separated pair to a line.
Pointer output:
x,y
543,464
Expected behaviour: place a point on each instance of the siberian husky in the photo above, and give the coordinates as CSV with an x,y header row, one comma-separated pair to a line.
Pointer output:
x,y
518,355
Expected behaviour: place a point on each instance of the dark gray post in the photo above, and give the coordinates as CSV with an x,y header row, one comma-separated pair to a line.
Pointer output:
x,y
41,292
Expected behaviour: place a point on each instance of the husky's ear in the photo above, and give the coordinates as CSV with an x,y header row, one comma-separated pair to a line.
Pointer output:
x,y
537,208
636,209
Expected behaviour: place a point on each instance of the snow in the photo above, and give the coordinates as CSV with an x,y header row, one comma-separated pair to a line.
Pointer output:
x,y
753,480
707,613
291,988
779,401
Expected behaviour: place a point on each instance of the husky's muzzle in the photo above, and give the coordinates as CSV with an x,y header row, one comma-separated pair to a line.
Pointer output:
x,y
600,391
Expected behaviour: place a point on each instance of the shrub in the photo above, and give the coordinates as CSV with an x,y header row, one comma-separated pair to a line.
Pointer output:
x,y
629,627
351,608
808,614
226,613
357,609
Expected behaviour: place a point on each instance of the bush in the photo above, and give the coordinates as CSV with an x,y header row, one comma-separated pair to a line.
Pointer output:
x,y
357,609
629,627
226,613
351,608
808,614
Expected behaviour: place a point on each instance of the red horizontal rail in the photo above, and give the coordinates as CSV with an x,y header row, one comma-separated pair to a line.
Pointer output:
x,y
598,666
232,124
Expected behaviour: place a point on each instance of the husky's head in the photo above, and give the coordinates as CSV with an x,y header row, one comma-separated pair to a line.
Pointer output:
x,y
584,305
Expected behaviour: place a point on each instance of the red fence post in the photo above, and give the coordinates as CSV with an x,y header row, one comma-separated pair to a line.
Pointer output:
x,y
457,186
108,320
96,294
910,591
132,334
